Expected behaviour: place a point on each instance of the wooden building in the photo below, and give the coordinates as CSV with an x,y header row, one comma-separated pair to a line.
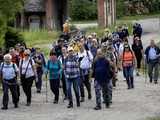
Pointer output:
x,y
51,14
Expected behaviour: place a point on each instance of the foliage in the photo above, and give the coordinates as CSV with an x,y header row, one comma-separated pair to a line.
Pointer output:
x,y
12,37
140,7
8,9
83,9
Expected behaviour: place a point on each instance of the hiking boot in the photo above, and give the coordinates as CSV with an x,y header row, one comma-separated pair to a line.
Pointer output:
x,y
78,104
16,105
82,99
155,82
38,91
4,108
107,105
70,105
89,97
97,108
55,102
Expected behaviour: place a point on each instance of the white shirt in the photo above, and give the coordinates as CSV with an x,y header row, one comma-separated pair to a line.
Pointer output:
x,y
152,54
29,72
8,71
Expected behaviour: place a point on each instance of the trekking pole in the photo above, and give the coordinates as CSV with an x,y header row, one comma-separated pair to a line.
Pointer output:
x,y
145,69
46,88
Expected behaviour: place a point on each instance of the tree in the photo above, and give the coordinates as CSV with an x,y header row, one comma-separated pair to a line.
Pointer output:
x,y
8,10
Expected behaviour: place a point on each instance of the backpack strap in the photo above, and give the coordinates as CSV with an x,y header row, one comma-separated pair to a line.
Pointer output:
x,y
1,70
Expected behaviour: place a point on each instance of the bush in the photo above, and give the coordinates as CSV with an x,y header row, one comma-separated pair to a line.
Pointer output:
x,y
12,37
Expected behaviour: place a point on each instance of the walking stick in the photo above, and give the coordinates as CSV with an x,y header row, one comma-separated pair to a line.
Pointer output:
x,y
145,69
46,88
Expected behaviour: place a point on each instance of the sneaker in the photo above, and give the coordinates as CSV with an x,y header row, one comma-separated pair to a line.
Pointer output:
x,y
97,108
4,108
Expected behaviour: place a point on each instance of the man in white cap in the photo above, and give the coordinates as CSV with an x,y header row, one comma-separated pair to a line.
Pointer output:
x,y
8,74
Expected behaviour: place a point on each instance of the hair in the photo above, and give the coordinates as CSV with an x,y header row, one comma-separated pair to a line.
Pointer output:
x,y
52,52
7,56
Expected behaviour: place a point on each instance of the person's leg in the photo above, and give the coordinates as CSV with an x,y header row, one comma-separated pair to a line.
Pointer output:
x,y
98,95
69,92
131,70
56,84
13,89
150,71
88,86
5,95
29,91
156,73
106,94
127,77
64,85
75,87
39,82
82,79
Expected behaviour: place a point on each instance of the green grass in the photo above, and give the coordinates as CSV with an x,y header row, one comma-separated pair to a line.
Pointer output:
x,y
153,118
100,31
139,17
39,37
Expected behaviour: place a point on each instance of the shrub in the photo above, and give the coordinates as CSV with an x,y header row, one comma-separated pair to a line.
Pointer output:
x,y
12,37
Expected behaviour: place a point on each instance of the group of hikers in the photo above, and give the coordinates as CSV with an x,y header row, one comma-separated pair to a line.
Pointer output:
x,y
76,63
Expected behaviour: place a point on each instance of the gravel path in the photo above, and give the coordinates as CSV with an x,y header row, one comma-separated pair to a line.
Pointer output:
x,y
137,104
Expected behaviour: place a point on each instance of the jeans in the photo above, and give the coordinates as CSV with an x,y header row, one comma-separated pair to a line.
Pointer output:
x,y
73,81
105,88
129,76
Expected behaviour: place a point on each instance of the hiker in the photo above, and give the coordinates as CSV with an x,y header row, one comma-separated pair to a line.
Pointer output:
x,y
102,75
137,47
15,60
40,65
128,63
54,67
58,47
137,30
8,74
85,59
152,53
72,72
27,74
63,79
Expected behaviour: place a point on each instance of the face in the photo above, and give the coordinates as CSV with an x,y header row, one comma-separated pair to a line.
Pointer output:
x,y
126,48
64,50
8,60
70,52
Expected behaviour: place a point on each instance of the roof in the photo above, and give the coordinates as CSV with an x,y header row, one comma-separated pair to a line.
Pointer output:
x,y
34,6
